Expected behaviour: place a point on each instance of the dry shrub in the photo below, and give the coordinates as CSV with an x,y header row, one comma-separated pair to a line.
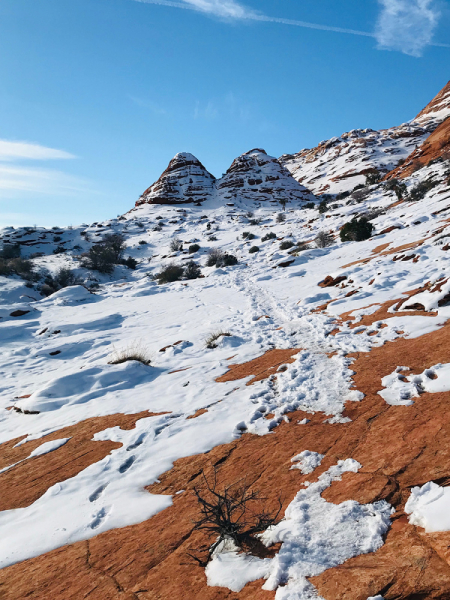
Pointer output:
x,y
133,351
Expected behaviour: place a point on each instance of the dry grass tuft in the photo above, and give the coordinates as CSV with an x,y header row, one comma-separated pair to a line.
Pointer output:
x,y
211,339
133,351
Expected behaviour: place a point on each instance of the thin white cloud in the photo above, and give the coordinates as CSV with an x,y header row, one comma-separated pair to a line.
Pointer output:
x,y
408,19
11,151
407,25
18,179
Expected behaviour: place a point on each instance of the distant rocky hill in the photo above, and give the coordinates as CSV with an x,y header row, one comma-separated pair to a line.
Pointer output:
x,y
254,176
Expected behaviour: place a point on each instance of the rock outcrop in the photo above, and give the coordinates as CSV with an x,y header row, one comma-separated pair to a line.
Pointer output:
x,y
185,180
259,177
341,163
254,176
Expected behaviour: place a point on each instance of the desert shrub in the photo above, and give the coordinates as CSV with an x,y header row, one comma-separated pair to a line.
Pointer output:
x,y
133,351
194,248
324,239
360,194
212,338
59,249
235,514
142,243
373,178
356,230
419,191
5,268
46,289
254,249
398,187
176,245
57,238
66,277
213,256
129,262
309,205
170,273
105,255
10,251
281,218
247,235
192,270
286,244
323,207
269,236
254,221
226,260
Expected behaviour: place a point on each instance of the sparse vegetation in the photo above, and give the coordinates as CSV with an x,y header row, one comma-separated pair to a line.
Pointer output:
x,y
324,239
193,248
103,257
356,230
373,178
309,205
286,244
254,221
269,236
212,338
176,245
254,249
170,273
398,187
218,258
235,514
133,351
419,191
247,235
281,218
192,270
323,207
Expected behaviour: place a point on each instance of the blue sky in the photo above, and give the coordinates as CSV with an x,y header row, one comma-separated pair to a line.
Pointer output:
x,y
96,96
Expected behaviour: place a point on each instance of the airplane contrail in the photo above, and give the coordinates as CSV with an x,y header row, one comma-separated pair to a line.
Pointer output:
x,y
250,16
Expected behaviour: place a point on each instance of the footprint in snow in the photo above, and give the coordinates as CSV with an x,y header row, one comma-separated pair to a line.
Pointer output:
x,y
127,464
100,517
98,492
138,442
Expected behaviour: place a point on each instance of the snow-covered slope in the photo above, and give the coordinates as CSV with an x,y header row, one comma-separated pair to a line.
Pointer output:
x,y
341,163
331,356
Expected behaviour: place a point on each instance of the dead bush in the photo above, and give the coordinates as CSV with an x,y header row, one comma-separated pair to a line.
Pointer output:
x,y
235,514
212,338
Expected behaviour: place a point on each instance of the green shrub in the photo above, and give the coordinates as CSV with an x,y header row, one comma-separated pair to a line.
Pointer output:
x,y
254,249
356,230
247,235
398,187
142,243
281,218
194,248
309,205
226,260
66,277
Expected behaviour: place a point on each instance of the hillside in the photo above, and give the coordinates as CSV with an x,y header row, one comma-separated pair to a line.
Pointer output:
x,y
232,333
339,164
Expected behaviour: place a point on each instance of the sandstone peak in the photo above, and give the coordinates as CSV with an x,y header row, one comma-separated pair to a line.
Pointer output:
x,y
185,180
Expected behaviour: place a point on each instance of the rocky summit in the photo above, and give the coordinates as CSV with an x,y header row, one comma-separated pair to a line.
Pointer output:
x,y
240,388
